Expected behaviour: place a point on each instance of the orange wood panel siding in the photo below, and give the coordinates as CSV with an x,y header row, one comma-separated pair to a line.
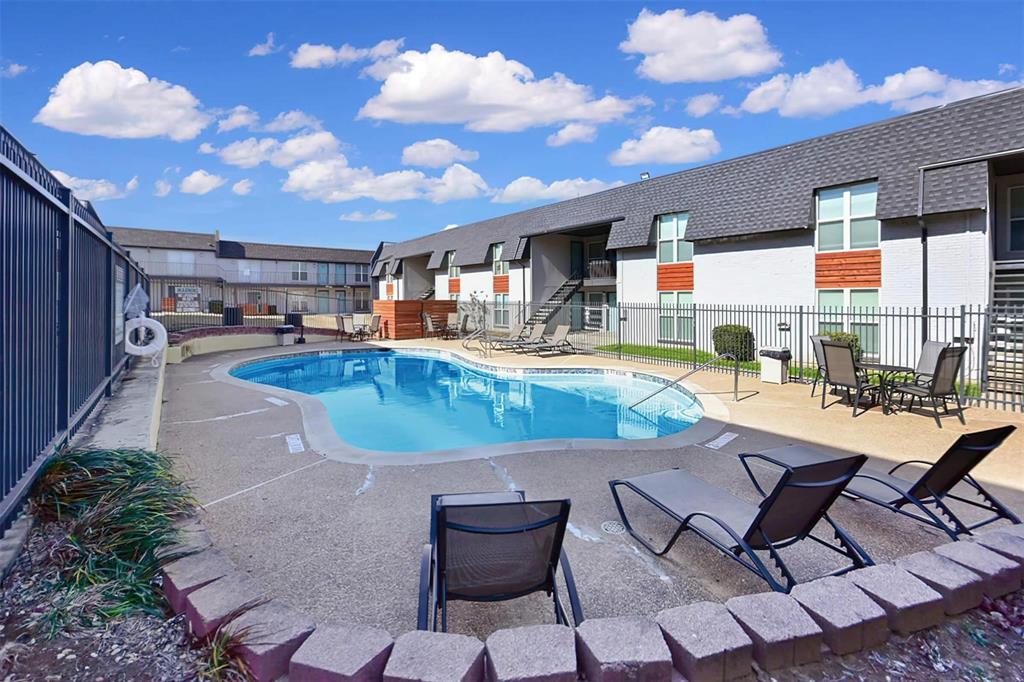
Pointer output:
x,y
501,284
848,269
675,277
389,289
401,319
454,285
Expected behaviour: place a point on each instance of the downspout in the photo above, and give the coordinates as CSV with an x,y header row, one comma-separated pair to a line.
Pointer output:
x,y
924,254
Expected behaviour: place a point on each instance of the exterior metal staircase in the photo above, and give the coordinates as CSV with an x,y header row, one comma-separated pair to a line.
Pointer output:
x,y
1005,352
549,308
427,295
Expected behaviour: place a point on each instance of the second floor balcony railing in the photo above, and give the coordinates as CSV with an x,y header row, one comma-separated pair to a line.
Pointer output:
x,y
599,268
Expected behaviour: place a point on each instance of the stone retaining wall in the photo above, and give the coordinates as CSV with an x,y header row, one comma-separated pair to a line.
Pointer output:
x,y
703,641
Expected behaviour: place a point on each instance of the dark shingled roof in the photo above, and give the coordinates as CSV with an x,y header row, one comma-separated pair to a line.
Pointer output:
x,y
203,241
773,190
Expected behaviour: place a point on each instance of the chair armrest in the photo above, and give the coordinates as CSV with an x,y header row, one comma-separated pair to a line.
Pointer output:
x,y
426,587
910,461
570,588
721,524
750,474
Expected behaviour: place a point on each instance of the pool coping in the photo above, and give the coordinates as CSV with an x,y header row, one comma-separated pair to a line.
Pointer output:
x,y
322,438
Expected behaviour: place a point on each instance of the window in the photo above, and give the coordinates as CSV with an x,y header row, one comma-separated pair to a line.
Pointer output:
x,y
181,263
453,297
323,273
675,321
1016,204
362,297
362,274
339,273
453,270
249,270
342,298
850,310
300,272
501,310
846,218
500,266
672,245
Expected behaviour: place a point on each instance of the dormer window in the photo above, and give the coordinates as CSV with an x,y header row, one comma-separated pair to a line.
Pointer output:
x,y
499,266
846,218
453,270
672,244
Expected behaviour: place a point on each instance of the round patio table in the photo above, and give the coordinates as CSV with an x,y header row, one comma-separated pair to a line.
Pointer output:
x,y
885,374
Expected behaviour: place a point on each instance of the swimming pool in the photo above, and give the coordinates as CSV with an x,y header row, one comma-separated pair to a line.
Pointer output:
x,y
408,401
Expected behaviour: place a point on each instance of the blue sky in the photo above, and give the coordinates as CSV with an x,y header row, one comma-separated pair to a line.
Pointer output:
x,y
513,104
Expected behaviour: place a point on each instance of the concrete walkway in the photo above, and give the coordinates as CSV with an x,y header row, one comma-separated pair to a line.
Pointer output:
x,y
343,541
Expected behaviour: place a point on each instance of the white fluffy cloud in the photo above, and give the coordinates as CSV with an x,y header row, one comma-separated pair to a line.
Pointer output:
x,y
377,216
682,48
251,152
96,190
834,86
662,144
489,93
239,117
12,70
292,120
264,48
110,100
333,180
702,105
320,56
572,132
527,188
242,187
436,153
207,148
200,182
161,188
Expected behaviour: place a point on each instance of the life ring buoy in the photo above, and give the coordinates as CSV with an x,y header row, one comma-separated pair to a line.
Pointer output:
x,y
155,345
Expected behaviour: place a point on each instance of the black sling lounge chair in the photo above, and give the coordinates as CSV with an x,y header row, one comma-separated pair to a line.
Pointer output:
x,y
924,498
737,528
489,547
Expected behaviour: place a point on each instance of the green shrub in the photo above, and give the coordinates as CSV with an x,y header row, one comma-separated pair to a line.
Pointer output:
x,y
736,339
851,340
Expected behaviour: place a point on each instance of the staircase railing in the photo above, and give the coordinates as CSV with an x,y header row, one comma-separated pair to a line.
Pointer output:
x,y
720,356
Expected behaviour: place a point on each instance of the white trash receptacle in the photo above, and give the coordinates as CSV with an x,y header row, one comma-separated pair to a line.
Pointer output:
x,y
285,335
775,365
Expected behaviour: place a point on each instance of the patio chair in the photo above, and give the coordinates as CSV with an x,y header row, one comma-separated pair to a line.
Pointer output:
x,y
940,388
535,336
928,361
515,333
488,547
452,325
349,327
931,489
787,515
339,321
429,330
841,372
374,329
819,357
559,342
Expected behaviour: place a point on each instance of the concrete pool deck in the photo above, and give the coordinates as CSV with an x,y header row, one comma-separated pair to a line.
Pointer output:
x,y
342,541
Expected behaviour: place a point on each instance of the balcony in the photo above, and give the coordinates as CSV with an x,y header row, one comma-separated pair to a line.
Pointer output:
x,y
599,272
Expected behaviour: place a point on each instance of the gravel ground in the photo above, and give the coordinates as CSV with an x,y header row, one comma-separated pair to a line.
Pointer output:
x,y
130,648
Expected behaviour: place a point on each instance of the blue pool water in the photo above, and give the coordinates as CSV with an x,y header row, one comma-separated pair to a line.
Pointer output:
x,y
409,402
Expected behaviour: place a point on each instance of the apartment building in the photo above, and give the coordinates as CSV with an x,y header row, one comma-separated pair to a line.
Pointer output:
x,y
921,210
201,271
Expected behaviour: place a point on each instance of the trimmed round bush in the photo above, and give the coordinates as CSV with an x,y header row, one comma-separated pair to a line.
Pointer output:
x,y
851,340
736,339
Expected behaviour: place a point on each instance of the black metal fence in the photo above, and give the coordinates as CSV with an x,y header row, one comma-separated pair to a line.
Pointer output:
x,y
62,285
181,304
992,374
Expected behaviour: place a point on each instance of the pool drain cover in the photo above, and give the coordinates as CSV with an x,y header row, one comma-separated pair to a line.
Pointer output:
x,y
613,528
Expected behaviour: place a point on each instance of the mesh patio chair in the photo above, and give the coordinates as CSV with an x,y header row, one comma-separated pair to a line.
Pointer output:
x,y
339,321
558,343
941,388
535,337
928,361
429,330
452,325
374,325
819,357
489,547
349,327
925,497
841,372
787,515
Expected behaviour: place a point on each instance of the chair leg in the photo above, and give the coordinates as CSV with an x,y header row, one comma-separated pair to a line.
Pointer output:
x,y
959,409
824,390
856,399
935,411
814,384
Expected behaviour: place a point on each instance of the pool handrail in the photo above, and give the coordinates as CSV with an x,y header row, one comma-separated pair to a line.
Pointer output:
x,y
720,356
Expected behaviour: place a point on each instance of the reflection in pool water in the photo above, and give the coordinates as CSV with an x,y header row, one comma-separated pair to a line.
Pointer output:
x,y
409,402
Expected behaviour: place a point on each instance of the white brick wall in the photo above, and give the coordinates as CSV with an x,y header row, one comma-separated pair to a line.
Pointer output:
x,y
636,276
770,270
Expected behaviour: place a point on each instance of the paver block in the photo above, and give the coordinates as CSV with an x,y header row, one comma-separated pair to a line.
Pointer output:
x,y
273,632
620,649
341,652
1009,545
421,656
961,588
185,575
535,653
909,604
211,606
999,575
849,619
782,632
706,642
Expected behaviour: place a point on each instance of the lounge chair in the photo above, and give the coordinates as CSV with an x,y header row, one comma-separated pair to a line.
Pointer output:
x,y
841,372
489,547
559,342
535,336
737,528
940,388
819,357
515,333
930,490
